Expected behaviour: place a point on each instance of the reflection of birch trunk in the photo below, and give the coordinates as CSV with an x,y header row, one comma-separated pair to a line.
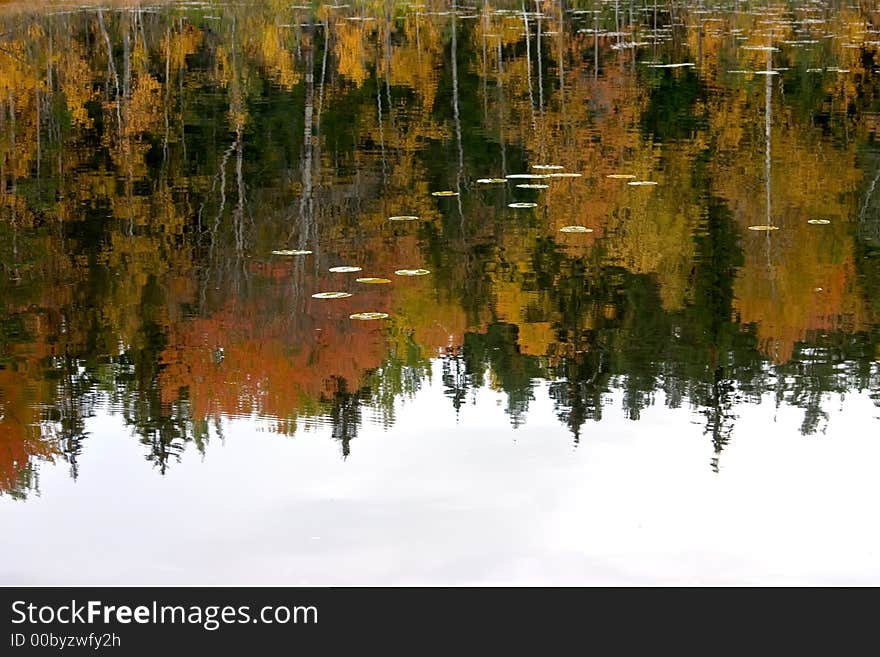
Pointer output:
x,y
501,109
561,42
768,108
166,93
456,113
540,81
37,122
126,64
315,152
617,19
323,75
768,112
111,68
125,137
529,65
484,18
381,130
238,215
11,175
540,63
215,226
595,45
180,93
700,36
387,32
418,42
307,228
140,23
308,115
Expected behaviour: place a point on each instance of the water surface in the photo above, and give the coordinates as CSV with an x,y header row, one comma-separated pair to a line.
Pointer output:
x,y
682,386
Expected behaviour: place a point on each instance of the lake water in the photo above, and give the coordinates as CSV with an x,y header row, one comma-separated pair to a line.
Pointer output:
x,y
626,327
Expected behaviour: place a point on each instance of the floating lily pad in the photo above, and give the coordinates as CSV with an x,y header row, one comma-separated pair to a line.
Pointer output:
x,y
522,205
763,227
373,280
621,176
291,252
368,316
444,193
403,217
564,174
533,176
641,183
548,167
331,295
575,229
818,222
533,186
491,181
344,270
412,272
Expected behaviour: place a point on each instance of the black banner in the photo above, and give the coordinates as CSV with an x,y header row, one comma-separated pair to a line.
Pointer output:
x,y
133,621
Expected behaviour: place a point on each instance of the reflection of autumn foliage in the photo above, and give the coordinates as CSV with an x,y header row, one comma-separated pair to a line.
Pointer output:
x,y
150,162
21,436
241,361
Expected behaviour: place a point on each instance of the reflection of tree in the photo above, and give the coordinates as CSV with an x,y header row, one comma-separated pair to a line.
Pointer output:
x,y
577,390
345,413
710,324
150,162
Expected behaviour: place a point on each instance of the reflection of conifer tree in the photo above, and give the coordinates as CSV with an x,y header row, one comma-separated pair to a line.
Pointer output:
x,y
163,431
577,393
345,414
719,417
75,394
510,370
711,333
455,380
577,288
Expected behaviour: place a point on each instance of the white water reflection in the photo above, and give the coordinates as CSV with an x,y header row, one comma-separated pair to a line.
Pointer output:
x,y
435,500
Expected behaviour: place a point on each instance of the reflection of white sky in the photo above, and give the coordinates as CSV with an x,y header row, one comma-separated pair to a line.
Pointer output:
x,y
435,501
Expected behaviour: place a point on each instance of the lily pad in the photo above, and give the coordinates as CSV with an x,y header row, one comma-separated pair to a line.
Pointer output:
x,y
621,176
368,316
818,222
522,205
575,229
642,183
291,252
403,217
344,270
548,167
491,181
331,295
373,280
564,174
763,227
533,186
533,176
444,193
412,272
